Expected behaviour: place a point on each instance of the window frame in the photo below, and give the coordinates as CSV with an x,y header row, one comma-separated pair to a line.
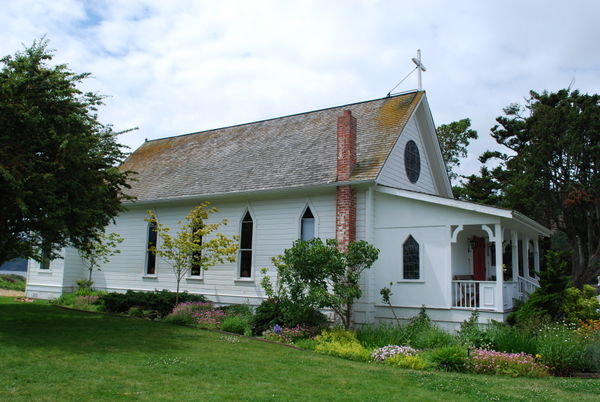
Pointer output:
x,y
301,218
148,254
200,275
238,276
421,278
414,170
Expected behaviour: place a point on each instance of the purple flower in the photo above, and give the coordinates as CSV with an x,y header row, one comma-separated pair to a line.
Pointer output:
x,y
277,329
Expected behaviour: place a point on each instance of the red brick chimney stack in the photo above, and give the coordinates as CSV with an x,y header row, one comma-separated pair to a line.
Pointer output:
x,y
345,203
346,145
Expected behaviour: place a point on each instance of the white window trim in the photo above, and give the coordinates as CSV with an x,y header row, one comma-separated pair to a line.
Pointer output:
x,y
421,260
307,204
238,264
145,273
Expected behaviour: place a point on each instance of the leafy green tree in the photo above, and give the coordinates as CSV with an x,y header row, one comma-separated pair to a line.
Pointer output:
x,y
454,138
59,178
98,251
314,274
195,243
551,171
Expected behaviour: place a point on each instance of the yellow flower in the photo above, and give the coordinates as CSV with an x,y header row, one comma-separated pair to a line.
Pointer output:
x,y
538,356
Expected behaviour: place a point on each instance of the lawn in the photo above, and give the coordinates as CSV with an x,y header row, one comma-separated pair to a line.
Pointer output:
x,y
47,353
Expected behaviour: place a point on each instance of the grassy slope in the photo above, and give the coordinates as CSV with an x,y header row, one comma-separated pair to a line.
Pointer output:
x,y
51,354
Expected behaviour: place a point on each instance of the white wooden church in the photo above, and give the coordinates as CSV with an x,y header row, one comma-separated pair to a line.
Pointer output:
x,y
371,170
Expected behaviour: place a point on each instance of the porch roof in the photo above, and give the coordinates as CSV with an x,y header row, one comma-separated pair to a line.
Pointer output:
x,y
468,206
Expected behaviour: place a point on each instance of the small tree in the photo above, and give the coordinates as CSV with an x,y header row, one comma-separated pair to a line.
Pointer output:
x,y
98,251
316,274
194,244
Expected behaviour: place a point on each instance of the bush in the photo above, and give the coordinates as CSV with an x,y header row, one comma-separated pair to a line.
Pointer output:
x,y
341,343
389,351
287,335
377,336
12,282
282,312
510,339
432,338
472,335
66,299
159,303
84,284
409,362
448,358
513,364
242,310
562,349
590,333
236,324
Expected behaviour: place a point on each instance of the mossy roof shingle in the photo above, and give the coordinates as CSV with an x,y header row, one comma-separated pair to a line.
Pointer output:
x,y
290,151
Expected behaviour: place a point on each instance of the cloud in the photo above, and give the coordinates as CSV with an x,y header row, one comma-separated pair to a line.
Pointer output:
x,y
171,67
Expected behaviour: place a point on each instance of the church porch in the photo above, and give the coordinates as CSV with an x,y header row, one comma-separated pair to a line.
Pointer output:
x,y
492,266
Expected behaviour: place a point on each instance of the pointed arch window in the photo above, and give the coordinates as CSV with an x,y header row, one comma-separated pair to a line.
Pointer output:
x,y
196,268
411,264
307,225
150,256
245,253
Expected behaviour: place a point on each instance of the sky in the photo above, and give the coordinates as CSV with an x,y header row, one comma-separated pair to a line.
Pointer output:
x,y
175,67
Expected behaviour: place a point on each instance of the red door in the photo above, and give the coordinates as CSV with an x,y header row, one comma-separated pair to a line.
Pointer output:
x,y
478,258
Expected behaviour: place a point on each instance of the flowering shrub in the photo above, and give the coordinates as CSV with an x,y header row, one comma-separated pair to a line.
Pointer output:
x,y
209,319
589,330
389,351
287,335
514,364
562,349
202,314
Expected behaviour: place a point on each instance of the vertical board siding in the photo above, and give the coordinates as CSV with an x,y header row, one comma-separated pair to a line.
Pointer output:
x,y
394,173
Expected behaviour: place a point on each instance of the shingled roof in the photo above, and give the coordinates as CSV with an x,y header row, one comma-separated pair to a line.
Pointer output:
x,y
290,151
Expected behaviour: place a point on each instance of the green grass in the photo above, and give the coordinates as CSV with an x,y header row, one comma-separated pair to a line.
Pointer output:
x,y
12,282
48,353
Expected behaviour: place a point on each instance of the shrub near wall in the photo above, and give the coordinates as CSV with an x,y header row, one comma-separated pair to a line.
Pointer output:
x,y
159,303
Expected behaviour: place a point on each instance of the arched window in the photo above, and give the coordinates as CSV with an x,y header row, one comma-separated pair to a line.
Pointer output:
x,y
410,259
196,269
150,256
245,253
307,225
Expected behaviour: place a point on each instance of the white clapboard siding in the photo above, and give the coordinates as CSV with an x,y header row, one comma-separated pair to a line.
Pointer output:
x,y
276,226
394,172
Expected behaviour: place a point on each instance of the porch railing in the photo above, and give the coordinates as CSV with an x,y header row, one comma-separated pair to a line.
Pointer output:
x,y
473,294
527,286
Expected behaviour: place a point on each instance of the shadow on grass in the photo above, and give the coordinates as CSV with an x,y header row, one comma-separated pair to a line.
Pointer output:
x,y
34,325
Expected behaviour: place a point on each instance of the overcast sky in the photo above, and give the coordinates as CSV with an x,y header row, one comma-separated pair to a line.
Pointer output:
x,y
173,67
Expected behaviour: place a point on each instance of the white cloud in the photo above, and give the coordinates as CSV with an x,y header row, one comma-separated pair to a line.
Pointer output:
x,y
173,67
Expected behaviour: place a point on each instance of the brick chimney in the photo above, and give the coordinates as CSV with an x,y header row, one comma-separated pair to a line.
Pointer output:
x,y
346,145
345,202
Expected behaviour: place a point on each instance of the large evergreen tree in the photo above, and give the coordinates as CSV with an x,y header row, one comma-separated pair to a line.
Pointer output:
x,y
454,138
59,177
552,170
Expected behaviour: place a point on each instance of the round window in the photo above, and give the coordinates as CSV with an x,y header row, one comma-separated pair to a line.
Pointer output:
x,y
412,161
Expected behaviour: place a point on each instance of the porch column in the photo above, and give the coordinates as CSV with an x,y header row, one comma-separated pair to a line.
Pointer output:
x,y
536,256
514,250
526,256
499,273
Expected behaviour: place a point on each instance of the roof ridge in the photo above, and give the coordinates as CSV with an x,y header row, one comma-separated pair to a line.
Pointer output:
x,y
415,91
